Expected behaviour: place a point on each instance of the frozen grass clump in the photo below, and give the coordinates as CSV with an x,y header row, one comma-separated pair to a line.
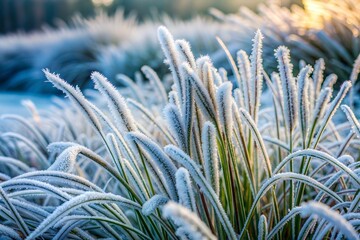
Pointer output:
x,y
143,48
108,44
320,29
210,161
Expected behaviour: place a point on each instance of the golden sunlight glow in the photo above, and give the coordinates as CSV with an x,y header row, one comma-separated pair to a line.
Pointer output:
x,y
316,14
102,2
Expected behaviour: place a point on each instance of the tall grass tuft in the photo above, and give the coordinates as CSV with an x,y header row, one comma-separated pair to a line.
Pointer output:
x,y
316,29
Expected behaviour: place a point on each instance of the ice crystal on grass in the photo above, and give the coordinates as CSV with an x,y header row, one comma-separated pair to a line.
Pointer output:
x,y
352,119
211,162
116,103
330,216
191,224
303,101
185,190
153,203
289,87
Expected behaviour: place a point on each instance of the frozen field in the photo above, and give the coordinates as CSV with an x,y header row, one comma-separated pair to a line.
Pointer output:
x,y
10,102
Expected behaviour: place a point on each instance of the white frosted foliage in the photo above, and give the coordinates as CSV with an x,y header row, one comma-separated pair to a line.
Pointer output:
x,y
323,211
188,220
289,87
153,203
185,189
355,125
211,162
224,101
163,162
116,103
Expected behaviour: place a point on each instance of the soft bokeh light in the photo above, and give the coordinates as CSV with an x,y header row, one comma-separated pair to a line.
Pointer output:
x,y
316,14
102,2
321,11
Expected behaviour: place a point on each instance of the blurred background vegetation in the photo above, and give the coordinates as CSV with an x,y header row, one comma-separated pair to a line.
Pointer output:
x,y
30,15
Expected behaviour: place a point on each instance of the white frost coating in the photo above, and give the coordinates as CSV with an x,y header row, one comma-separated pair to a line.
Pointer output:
x,y
211,161
334,105
205,74
116,103
8,232
245,74
60,178
237,97
183,217
256,74
175,124
37,185
202,60
304,105
355,70
77,98
200,63
285,176
66,161
320,155
339,222
58,147
77,202
354,76
318,75
14,212
288,84
29,126
321,105
185,53
184,189
183,234
346,160
263,229
224,102
182,158
153,203
171,57
330,80
355,125
173,99
223,74
311,93
15,163
217,77
41,157
202,95
208,80
188,103
162,161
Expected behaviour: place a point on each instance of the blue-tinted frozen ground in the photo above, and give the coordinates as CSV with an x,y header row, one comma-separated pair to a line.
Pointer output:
x,y
10,102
